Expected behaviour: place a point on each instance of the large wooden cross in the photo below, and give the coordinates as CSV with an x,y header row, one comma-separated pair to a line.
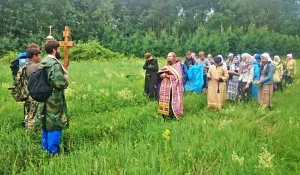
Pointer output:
x,y
66,44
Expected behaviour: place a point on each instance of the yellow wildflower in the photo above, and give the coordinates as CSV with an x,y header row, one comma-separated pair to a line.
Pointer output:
x,y
166,134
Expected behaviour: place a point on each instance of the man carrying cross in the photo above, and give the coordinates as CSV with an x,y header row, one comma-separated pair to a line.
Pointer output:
x,y
52,114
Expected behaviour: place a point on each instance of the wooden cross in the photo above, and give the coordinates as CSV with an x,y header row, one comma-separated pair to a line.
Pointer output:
x,y
66,43
49,37
50,27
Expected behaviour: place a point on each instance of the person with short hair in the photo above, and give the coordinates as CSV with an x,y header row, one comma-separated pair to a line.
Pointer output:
x,y
189,61
206,64
52,114
30,105
193,55
151,67
21,60
209,58
216,91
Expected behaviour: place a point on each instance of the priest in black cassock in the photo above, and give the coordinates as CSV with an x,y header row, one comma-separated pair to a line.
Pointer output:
x,y
151,67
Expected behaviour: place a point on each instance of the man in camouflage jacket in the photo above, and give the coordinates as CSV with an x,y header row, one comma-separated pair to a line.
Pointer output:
x,y
30,106
52,114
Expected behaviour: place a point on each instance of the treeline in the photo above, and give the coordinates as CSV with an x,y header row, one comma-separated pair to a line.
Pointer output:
x,y
134,27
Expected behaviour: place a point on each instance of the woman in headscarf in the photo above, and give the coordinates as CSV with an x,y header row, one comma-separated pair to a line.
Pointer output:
x,y
256,72
290,66
216,91
223,62
277,76
233,82
265,91
245,77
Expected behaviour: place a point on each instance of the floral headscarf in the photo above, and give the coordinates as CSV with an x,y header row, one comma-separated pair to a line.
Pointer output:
x,y
246,65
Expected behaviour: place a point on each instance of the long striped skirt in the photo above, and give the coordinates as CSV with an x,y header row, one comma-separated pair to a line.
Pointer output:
x,y
232,89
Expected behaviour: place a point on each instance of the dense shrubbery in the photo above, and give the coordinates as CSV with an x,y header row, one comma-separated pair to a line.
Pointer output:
x,y
211,41
92,51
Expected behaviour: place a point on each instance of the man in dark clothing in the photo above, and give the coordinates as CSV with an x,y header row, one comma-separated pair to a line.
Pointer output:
x,y
189,61
151,67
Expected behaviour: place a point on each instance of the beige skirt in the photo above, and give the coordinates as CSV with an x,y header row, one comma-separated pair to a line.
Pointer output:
x,y
265,94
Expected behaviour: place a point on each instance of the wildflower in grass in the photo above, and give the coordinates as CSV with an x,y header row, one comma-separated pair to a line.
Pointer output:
x,y
229,110
262,110
236,158
84,96
103,91
166,134
125,93
107,94
204,123
89,87
223,123
265,159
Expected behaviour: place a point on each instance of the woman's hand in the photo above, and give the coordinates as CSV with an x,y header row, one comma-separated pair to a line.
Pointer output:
x,y
256,82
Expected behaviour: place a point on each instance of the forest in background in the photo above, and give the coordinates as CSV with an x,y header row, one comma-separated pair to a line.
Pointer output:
x,y
134,27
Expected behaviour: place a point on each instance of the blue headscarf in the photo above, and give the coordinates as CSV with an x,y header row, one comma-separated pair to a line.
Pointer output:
x,y
257,57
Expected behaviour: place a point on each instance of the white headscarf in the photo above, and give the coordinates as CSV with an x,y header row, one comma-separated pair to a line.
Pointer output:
x,y
289,55
223,62
267,56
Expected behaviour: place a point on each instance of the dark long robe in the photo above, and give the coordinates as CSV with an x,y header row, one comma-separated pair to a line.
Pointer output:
x,y
150,88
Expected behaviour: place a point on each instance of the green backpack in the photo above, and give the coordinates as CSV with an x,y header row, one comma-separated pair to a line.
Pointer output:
x,y
19,89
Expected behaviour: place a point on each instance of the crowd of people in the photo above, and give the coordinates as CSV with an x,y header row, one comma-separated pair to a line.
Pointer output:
x,y
50,115
240,78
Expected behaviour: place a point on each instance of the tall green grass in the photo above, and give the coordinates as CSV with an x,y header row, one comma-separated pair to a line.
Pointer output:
x,y
114,129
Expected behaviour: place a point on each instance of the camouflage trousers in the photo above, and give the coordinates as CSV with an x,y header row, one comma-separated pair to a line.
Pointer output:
x,y
30,108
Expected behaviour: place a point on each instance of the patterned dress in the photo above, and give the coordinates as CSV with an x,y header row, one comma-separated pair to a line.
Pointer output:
x,y
233,82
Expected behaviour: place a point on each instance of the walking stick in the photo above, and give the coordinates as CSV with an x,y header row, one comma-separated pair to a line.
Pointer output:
x,y
218,91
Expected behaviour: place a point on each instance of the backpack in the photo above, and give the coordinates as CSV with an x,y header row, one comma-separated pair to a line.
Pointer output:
x,y
38,86
19,90
18,63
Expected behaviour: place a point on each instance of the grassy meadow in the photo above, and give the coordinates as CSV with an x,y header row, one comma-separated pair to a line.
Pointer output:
x,y
114,129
